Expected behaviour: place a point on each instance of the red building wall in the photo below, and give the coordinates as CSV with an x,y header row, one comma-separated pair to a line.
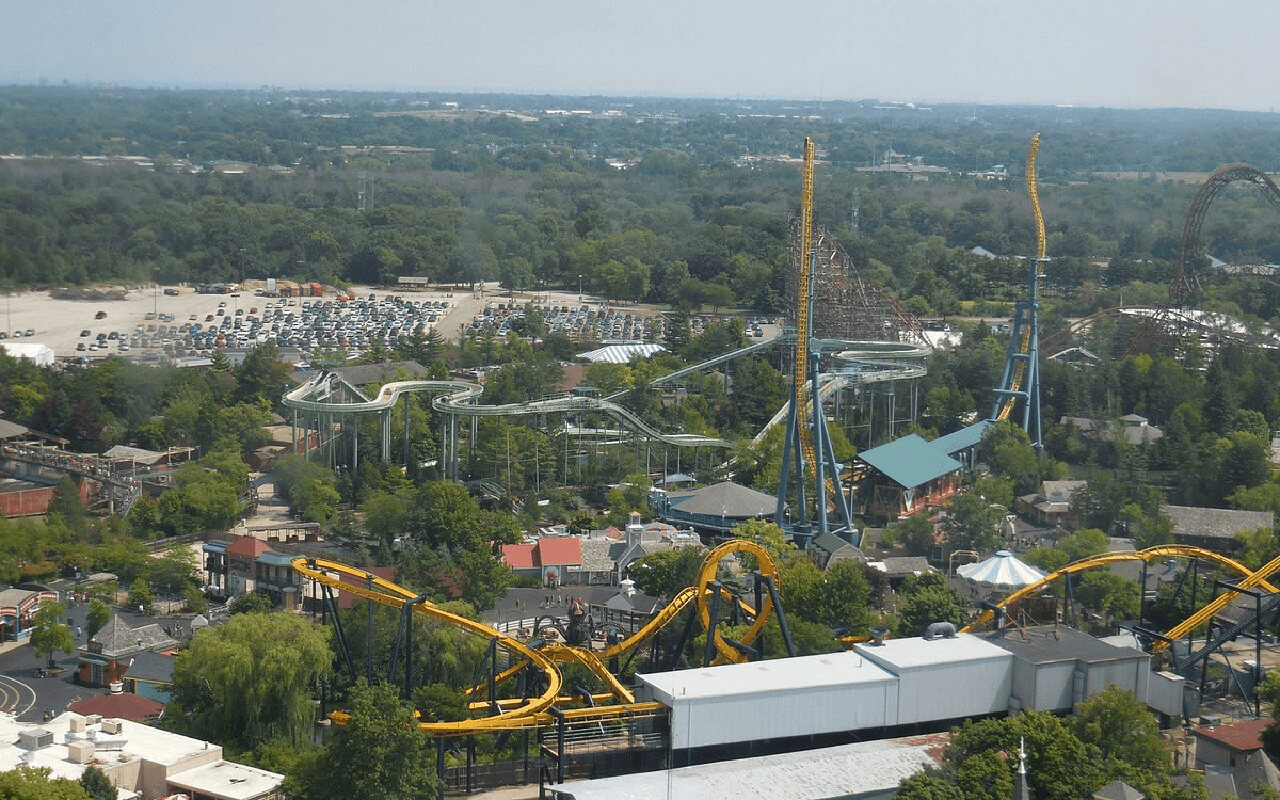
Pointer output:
x,y
25,503
31,502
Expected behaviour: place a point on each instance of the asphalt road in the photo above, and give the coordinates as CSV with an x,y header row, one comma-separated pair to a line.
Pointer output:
x,y
28,697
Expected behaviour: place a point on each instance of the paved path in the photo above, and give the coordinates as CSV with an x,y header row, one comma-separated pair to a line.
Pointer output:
x,y
529,792
28,697
463,307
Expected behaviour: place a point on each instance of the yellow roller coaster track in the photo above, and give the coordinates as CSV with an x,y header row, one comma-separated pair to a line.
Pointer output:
x,y
1251,579
518,714
803,287
1033,193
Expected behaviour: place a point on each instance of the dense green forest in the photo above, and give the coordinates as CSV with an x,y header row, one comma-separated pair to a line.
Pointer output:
x,y
537,202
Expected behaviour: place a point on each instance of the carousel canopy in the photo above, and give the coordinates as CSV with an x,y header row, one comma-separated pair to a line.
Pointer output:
x,y
1001,571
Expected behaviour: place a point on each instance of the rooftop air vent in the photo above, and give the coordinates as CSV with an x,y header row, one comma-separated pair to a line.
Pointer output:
x,y
35,738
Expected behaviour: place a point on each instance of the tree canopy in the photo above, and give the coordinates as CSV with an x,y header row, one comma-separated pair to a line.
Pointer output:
x,y
250,680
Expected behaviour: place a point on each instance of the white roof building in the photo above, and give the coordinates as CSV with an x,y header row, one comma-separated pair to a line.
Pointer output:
x,y
621,353
781,698
140,760
861,770
40,354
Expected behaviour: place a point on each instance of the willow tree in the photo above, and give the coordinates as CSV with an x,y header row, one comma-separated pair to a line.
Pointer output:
x,y
250,681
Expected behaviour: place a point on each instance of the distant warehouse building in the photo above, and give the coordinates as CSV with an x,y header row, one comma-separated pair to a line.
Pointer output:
x,y
1056,667
897,687
39,354
871,689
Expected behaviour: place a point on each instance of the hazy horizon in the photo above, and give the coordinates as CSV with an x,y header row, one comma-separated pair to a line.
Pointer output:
x,y
1091,54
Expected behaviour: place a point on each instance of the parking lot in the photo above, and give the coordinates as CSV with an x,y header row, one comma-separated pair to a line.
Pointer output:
x,y
306,324
593,323
178,322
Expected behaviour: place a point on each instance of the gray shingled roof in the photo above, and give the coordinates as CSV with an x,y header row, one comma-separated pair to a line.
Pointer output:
x,y
150,666
832,543
1119,790
117,640
1216,523
10,429
726,499
1062,491
1258,769
597,554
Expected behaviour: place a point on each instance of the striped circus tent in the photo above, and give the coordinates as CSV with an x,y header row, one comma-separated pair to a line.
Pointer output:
x,y
1002,571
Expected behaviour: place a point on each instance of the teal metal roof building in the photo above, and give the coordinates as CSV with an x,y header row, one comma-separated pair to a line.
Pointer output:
x,y
910,461
963,439
906,476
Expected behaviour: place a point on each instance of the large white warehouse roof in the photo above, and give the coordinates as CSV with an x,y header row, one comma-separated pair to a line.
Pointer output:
x,y
896,655
775,699
851,770
765,677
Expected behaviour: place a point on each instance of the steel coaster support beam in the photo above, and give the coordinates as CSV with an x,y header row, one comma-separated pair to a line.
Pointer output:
x,y
407,414
784,481
407,613
782,615
685,634
440,769
819,481
559,717
386,435
471,759
343,645
714,604
826,456
1142,596
395,650
368,647
758,585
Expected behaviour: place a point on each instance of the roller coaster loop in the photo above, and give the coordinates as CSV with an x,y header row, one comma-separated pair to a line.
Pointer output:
x,y
1250,580
518,714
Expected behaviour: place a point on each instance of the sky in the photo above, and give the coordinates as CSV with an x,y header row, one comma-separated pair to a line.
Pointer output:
x,y
1120,53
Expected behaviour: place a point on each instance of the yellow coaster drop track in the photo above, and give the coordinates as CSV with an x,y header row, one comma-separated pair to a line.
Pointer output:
x,y
1252,579
521,714
1024,348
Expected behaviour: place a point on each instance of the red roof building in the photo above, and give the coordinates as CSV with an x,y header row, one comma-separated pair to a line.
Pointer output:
x,y
519,556
247,547
549,558
560,552
119,705
1228,745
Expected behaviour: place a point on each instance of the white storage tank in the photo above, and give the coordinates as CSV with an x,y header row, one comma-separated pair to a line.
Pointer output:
x,y
803,696
945,678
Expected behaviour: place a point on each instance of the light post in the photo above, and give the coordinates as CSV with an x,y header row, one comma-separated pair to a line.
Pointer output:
x,y
579,288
